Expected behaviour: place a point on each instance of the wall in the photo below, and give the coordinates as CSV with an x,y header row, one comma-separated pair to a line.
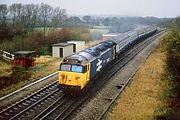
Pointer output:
x,y
80,45
67,50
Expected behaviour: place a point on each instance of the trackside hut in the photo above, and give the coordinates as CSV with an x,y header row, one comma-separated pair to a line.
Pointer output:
x,y
24,58
61,50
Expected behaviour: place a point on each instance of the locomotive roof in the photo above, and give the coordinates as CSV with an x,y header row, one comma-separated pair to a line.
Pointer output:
x,y
75,59
85,56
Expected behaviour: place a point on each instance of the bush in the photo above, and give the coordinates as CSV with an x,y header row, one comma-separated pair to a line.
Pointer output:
x,y
173,48
19,73
36,41
172,93
4,82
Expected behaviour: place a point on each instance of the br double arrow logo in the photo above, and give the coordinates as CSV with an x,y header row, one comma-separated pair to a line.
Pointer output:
x,y
99,65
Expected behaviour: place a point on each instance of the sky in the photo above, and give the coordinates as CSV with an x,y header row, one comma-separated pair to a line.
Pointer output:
x,y
143,8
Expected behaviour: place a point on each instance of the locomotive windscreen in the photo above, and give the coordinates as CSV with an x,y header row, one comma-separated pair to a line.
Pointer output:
x,y
65,67
73,68
77,68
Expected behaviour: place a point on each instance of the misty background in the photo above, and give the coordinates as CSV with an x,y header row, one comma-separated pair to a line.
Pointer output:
x,y
37,24
142,8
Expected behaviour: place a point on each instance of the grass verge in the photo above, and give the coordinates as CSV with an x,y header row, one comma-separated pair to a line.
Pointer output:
x,y
151,92
45,65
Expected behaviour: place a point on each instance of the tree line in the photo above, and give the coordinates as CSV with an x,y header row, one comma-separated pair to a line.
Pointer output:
x,y
24,18
21,19
35,26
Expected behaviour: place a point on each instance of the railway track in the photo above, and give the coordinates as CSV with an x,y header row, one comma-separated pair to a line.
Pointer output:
x,y
51,103
59,110
121,87
29,103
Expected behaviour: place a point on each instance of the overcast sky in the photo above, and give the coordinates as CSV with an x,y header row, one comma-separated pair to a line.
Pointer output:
x,y
157,8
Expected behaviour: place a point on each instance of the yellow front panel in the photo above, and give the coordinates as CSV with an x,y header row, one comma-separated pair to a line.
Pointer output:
x,y
73,78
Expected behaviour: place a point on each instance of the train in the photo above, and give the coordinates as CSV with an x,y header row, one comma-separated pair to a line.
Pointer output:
x,y
77,70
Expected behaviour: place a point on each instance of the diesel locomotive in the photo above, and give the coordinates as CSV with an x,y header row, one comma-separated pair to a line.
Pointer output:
x,y
78,69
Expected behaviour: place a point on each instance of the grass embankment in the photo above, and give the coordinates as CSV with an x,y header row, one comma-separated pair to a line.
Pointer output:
x,y
44,66
151,93
5,68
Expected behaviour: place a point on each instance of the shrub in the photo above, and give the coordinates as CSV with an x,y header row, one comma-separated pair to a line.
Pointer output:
x,y
19,73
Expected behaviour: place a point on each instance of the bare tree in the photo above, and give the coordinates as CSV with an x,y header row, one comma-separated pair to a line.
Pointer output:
x,y
30,16
3,14
177,22
58,17
45,15
4,31
87,19
16,11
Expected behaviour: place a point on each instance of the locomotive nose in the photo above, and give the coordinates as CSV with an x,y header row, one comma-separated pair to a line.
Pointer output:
x,y
69,79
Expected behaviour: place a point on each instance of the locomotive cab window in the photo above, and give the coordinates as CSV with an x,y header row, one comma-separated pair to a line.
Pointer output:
x,y
77,68
73,68
65,67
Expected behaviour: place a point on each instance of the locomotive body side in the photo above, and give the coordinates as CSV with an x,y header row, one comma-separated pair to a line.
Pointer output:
x,y
100,62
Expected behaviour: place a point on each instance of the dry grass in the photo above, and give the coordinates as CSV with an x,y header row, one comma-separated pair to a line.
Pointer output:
x,y
141,100
12,88
44,59
5,68
45,65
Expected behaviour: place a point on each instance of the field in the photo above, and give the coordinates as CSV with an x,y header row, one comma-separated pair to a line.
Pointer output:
x,y
96,29
100,31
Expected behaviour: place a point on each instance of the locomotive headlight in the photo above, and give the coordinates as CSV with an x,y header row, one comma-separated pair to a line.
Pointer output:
x,y
62,76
